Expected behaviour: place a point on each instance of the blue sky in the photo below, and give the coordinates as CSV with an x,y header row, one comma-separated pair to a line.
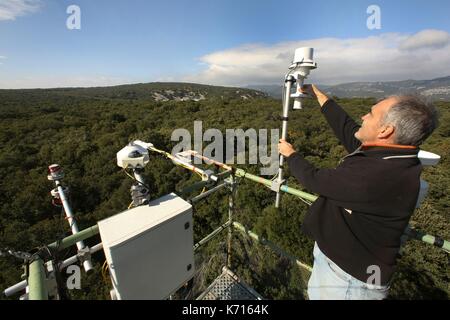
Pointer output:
x,y
226,42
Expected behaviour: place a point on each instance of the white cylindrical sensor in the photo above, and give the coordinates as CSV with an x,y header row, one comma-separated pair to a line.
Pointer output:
x,y
297,104
304,55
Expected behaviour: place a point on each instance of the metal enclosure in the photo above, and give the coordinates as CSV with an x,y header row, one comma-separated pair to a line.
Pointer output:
x,y
149,249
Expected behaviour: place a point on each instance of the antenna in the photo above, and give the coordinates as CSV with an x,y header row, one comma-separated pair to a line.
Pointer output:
x,y
299,70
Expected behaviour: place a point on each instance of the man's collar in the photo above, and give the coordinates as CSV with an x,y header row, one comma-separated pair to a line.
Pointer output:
x,y
381,150
367,146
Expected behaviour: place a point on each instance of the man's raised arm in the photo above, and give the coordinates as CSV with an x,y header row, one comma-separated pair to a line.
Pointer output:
x,y
343,126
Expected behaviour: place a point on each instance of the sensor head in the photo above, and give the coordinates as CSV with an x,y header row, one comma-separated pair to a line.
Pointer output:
x,y
132,156
304,60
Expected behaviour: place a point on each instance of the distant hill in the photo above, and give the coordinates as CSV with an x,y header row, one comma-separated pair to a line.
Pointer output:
x,y
274,91
436,89
156,91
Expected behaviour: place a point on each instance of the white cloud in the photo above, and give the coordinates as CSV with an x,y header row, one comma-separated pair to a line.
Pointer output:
x,y
377,58
11,9
386,57
30,82
426,39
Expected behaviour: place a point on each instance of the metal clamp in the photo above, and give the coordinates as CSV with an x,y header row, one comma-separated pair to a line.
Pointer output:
x,y
84,255
276,185
230,182
210,177
139,194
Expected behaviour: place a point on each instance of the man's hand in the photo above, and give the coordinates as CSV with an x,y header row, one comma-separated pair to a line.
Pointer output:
x,y
314,92
285,148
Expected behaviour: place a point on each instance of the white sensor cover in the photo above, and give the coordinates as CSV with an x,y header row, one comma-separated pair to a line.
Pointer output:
x,y
304,57
146,145
132,156
428,158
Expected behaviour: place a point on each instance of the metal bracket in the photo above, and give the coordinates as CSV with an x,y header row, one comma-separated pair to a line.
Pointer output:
x,y
276,185
289,78
26,271
210,177
230,183
84,255
139,194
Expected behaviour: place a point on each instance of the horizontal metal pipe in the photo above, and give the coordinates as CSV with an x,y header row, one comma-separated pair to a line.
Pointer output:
x,y
73,239
15,288
268,183
211,235
180,162
224,174
271,245
418,235
210,161
193,187
74,258
298,193
201,184
207,193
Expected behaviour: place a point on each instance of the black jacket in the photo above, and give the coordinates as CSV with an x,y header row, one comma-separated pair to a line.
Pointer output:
x,y
365,203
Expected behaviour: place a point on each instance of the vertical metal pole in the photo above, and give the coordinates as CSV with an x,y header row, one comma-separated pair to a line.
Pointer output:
x,y
287,95
80,244
139,193
138,176
36,281
230,218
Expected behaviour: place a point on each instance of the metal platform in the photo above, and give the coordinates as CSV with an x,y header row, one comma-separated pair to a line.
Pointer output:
x,y
228,286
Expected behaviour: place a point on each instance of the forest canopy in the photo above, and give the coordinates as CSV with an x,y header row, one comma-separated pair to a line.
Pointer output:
x,y
83,129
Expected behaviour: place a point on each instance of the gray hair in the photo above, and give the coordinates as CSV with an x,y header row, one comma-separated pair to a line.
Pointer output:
x,y
413,119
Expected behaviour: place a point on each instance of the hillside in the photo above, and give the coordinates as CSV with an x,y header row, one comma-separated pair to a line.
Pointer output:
x,y
82,129
156,91
436,89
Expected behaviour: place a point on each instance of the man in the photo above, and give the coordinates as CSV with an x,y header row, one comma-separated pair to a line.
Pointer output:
x,y
366,202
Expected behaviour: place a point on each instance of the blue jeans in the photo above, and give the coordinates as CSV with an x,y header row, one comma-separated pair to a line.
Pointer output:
x,y
329,282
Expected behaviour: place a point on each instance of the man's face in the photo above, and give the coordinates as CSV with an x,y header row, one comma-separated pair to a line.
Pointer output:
x,y
371,126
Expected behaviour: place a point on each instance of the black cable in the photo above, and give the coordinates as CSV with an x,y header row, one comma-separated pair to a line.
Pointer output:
x,y
134,178
53,255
